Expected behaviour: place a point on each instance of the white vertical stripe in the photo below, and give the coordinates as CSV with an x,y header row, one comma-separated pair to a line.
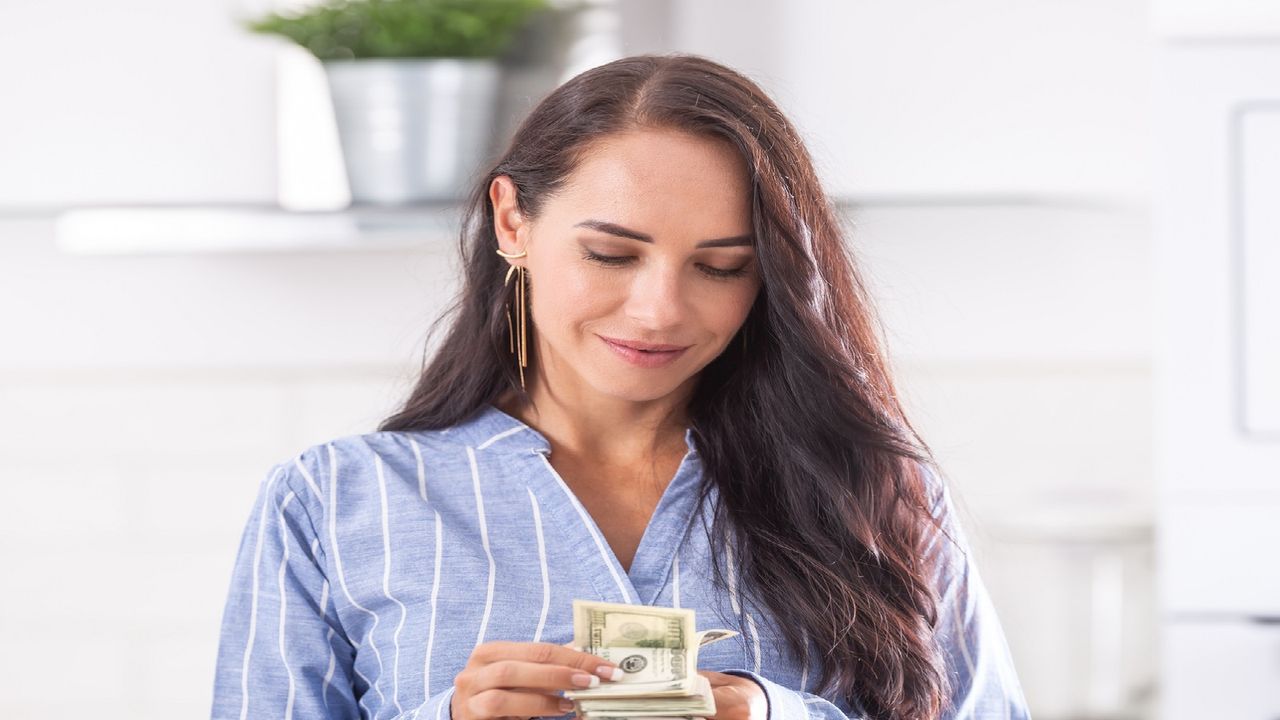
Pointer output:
x,y
750,624
422,474
328,636
484,541
431,631
284,601
587,522
333,663
333,536
498,437
542,558
964,644
435,582
311,482
253,597
337,562
804,662
675,581
755,641
386,582
732,578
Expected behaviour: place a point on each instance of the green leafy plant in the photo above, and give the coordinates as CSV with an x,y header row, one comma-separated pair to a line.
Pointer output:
x,y
349,29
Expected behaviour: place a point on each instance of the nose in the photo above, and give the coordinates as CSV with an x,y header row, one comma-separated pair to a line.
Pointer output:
x,y
657,298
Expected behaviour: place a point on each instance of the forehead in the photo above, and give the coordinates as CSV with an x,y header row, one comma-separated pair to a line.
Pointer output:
x,y
655,175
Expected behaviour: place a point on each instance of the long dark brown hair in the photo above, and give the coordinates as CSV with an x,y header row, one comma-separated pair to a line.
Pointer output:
x,y
820,475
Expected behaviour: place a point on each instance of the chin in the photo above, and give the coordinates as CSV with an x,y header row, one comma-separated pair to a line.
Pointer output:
x,y
634,393
637,388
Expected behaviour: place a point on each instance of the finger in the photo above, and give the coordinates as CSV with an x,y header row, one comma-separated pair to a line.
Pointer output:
x,y
522,674
717,678
547,653
494,703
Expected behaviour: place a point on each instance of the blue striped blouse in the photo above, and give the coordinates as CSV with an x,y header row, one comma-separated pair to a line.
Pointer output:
x,y
372,565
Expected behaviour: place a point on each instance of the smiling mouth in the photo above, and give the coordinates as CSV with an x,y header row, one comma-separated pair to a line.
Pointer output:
x,y
643,346
645,355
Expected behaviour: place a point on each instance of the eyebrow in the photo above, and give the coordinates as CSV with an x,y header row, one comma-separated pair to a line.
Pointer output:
x,y
615,229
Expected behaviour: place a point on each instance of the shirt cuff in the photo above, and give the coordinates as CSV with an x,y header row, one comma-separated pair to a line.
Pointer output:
x,y
783,703
437,707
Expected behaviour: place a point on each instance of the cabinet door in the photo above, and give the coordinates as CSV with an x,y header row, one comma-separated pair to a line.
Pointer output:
x,y
1221,670
1218,255
1256,237
1219,558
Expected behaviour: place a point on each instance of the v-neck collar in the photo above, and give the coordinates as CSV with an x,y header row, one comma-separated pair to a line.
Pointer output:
x,y
662,537
665,533
492,425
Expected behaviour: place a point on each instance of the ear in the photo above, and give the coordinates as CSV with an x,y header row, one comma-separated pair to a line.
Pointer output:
x,y
508,222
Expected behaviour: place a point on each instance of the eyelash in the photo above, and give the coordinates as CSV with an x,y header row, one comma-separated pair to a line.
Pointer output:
x,y
619,260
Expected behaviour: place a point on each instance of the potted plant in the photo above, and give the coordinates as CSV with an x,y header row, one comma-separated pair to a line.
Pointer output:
x,y
414,86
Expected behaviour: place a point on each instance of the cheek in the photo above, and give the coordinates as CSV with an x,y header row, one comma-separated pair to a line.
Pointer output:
x,y
571,295
728,307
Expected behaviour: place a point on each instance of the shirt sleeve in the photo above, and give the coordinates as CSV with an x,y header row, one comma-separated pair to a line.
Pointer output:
x,y
984,685
282,652
979,665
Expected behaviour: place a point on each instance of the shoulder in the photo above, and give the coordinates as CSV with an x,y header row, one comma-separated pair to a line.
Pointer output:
x,y
945,537
348,459
938,497
360,464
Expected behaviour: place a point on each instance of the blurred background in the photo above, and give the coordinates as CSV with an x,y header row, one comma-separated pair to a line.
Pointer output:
x,y
1067,210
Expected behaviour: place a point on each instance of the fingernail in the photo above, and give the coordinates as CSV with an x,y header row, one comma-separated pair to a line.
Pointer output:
x,y
566,705
608,673
583,680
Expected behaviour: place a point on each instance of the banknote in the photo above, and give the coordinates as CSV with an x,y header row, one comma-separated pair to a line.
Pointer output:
x,y
657,650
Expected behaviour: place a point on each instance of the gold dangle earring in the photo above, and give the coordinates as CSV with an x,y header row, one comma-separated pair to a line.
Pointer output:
x,y
521,353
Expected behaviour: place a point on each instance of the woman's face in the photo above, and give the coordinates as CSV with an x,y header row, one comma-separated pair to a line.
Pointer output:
x,y
649,242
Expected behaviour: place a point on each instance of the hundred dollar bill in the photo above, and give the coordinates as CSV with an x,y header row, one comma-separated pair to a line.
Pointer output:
x,y
700,704
657,650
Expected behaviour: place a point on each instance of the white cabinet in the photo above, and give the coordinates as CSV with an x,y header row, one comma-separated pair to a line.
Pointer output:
x,y
1218,163
1216,214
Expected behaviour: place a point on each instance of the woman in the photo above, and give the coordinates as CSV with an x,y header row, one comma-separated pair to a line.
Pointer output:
x,y
663,385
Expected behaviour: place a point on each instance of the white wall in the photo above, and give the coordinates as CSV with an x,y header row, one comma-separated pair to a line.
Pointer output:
x,y
1027,97
133,101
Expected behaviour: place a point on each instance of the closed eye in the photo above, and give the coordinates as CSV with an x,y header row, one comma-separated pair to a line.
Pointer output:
x,y
621,260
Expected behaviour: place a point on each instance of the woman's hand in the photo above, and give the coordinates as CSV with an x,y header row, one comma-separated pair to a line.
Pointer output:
x,y
521,679
737,698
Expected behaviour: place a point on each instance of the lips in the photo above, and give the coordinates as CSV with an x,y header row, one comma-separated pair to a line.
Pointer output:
x,y
647,347
643,354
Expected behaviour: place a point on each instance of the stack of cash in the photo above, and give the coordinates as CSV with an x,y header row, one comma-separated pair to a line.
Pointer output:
x,y
657,649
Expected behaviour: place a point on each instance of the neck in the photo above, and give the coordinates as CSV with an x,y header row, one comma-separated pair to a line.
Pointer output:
x,y
611,430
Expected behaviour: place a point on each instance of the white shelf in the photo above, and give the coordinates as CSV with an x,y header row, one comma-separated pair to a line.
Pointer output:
x,y
211,228
198,228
